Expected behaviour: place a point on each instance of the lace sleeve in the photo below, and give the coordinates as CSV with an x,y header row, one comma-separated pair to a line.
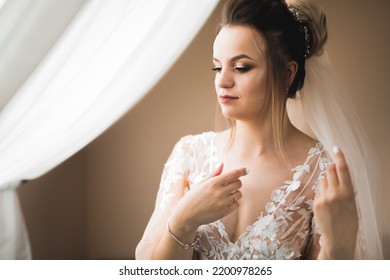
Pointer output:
x,y
172,187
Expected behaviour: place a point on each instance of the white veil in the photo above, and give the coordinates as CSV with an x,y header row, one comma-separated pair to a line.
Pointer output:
x,y
329,113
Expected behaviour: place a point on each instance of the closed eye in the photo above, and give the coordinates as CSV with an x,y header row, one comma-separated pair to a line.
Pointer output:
x,y
242,69
239,69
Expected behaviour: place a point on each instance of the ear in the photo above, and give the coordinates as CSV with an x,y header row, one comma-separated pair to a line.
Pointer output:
x,y
292,68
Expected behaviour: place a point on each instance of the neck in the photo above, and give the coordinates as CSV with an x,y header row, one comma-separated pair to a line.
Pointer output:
x,y
256,138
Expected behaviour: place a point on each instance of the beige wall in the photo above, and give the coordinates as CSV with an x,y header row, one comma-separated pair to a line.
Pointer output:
x,y
54,210
96,204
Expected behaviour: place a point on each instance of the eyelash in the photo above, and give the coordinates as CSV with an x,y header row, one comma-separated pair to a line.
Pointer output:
x,y
241,69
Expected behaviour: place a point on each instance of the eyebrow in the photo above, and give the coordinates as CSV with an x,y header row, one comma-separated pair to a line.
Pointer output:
x,y
237,57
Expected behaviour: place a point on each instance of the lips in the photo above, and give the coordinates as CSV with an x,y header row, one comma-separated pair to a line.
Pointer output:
x,y
227,98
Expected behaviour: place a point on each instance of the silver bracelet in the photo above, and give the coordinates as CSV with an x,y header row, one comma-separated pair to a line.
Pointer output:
x,y
185,246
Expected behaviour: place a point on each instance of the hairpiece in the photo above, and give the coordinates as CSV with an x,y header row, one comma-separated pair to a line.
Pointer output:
x,y
303,28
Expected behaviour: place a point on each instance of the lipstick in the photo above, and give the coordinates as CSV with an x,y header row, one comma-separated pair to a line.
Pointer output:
x,y
225,99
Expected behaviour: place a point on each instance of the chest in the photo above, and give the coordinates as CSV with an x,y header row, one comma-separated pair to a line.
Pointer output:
x,y
258,189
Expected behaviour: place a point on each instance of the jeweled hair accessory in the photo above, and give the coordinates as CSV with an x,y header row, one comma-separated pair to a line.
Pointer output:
x,y
303,28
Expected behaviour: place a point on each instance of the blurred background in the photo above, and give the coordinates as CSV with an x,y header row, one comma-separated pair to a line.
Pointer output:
x,y
96,204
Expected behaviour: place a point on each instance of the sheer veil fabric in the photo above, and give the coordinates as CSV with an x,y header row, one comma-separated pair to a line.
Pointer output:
x,y
328,112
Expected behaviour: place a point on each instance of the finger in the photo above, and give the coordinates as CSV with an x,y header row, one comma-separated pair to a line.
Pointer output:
x,y
331,177
323,186
233,176
218,170
213,174
232,187
184,184
233,197
237,195
342,168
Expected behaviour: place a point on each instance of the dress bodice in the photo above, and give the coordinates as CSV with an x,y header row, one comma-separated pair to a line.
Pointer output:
x,y
283,231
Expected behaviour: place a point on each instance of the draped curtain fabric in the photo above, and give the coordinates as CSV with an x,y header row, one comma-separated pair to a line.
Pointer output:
x,y
98,59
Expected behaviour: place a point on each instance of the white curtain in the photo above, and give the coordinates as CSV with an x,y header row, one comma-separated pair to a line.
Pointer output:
x,y
108,57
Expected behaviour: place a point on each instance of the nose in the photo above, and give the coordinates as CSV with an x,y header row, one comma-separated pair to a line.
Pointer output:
x,y
224,79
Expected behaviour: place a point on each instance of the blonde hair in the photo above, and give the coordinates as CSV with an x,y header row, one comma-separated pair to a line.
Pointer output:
x,y
285,42
314,18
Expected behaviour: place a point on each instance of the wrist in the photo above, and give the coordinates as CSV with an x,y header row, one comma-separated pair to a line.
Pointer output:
x,y
185,245
182,228
182,233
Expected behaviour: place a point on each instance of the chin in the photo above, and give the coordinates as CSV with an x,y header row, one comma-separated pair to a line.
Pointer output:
x,y
228,113
231,115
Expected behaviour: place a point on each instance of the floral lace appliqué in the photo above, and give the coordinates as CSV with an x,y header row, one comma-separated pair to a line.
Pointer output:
x,y
281,232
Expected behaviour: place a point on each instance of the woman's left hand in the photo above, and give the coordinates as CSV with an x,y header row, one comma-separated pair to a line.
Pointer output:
x,y
335,211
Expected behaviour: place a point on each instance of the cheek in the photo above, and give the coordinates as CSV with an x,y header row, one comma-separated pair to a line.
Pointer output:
x,y
254,87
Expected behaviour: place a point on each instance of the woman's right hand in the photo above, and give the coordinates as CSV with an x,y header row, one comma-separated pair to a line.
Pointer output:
x,y
213,198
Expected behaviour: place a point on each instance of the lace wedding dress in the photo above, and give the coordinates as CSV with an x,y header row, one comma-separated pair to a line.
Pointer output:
x,y
286,230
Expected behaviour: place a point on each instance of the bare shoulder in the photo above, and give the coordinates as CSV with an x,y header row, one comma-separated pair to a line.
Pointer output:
x,y
299,146
306,141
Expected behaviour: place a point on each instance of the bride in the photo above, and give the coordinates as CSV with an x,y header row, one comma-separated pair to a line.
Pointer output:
x,y
262,189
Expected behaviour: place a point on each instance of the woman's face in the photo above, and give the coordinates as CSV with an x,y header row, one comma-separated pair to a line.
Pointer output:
x,y
240,79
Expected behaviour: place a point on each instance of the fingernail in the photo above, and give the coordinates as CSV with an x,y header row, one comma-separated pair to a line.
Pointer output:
x,y
247,170
336,149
